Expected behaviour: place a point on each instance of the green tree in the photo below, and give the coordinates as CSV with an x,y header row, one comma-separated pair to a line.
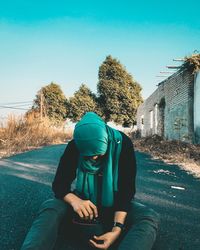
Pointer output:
x,y
50,101
82,101
119,95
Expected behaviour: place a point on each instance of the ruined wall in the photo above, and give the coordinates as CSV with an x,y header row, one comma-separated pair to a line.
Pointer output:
x,y
149,113
197,108
174,117
179,105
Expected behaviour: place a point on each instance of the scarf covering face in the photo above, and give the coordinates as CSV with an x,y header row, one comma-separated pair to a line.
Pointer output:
x,y
93,137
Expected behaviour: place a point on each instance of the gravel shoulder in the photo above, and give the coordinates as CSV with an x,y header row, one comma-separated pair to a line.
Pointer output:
x,y
185,155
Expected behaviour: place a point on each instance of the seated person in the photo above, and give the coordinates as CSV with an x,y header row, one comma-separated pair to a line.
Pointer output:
x,y
96,180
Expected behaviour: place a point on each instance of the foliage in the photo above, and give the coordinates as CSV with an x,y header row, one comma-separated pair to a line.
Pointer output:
x,y
119,95
51,102
193,62
82,101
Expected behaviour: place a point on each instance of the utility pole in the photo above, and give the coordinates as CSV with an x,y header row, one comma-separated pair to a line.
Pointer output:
x,y
41,104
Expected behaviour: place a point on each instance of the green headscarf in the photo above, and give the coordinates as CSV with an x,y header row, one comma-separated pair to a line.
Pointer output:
x,y
93,137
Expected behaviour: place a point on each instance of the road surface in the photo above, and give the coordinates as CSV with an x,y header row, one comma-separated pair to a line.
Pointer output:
x,y
26,182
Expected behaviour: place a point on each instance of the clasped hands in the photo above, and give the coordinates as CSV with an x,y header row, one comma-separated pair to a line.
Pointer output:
x,y
87,210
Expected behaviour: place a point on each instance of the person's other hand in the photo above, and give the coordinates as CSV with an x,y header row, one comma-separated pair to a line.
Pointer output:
x,y
107,239
85,208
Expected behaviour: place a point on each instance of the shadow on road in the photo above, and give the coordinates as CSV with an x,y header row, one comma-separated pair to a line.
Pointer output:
x,y
174,195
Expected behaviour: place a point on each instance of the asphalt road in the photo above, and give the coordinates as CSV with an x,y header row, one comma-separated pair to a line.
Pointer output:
x,y
26,182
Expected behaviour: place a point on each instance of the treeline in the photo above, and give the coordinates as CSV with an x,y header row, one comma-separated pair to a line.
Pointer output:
x,y
117,99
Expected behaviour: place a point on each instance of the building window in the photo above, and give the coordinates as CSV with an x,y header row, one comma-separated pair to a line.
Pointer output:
x,y
151,119
156,118
142,122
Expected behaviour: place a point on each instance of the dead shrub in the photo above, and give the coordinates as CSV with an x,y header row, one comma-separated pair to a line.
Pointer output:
x,y
22,133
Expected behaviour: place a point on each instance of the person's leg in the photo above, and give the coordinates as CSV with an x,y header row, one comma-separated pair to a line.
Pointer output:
x,y
43,232
142,225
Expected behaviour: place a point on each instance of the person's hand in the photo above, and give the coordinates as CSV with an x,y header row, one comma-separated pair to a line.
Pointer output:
x,y
84,208
107,240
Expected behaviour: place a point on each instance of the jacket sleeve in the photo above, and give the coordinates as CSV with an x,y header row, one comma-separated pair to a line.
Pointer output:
x,y
66,171
126,176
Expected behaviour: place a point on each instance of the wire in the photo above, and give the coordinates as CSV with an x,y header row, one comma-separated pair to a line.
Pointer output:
x,y
7,107
21,105
11,103
16,105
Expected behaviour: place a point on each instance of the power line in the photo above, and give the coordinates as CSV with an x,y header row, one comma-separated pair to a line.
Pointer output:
x,y
11,103
7,107
16,105
21,105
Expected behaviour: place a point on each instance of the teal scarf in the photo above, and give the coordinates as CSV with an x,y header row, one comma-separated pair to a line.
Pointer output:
x,y
93,137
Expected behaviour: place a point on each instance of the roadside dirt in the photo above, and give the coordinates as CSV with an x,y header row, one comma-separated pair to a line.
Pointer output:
x,y
186,155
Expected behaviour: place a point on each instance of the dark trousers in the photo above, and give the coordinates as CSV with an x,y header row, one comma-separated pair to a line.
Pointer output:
x,y
140,233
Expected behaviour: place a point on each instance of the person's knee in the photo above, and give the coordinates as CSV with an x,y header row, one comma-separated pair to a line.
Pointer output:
x,y
153,216
56,205
140,212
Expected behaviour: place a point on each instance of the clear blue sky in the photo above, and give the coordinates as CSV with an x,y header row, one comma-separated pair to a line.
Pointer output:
x,y
66,41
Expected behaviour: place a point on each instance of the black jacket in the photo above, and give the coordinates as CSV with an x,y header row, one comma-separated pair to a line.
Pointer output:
x,y
66,173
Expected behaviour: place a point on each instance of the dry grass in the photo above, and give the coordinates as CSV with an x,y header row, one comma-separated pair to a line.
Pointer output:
x,y
25,133
186,155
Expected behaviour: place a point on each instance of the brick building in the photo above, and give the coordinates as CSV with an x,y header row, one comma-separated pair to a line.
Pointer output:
x,y
173,109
